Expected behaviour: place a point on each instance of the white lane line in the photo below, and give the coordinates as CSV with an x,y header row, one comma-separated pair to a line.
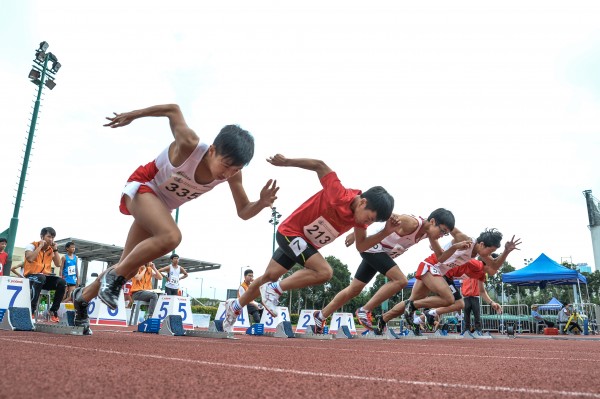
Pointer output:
x,y
490,388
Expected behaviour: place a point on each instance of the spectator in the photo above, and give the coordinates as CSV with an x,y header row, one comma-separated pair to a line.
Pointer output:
x,y
173,270
69,270
471,290
3,255
39,256
538,317
254,308
563,318
141,289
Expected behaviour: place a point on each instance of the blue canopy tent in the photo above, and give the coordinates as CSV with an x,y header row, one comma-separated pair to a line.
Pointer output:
x,y
543,271
553,304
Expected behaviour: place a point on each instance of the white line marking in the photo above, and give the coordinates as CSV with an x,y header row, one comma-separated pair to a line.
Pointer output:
x,y
491,388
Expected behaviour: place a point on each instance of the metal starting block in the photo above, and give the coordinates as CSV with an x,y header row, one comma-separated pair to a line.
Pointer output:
x,y
215,330
59,329
311,335
16,319
344,332
172,325
480,335
441,334
409,334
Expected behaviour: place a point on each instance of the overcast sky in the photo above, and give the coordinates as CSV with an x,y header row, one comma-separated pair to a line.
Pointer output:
x,y
490,111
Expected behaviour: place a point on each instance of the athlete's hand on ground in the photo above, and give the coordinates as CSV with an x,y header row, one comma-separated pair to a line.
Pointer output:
x,y
120,119
268,194
277,160
349,239
512,244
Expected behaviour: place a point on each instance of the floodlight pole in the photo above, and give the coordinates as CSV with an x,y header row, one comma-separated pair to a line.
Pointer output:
x,y
11,232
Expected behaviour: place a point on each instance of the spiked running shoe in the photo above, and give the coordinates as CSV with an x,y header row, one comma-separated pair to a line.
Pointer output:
x,y
380,326
270,299
409,312
230,316
364,318
81,311
319,325
110,288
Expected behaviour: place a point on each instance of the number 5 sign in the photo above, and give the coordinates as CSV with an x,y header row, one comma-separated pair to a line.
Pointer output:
x,y
175,305
14,292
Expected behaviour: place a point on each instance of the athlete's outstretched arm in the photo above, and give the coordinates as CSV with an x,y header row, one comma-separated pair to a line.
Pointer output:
x,y
185,138
305,163
245,208
497,263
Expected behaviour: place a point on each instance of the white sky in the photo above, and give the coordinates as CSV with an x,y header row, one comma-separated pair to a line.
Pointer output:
x,y
490,111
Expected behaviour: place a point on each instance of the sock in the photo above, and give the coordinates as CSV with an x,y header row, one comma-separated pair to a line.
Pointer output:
x,y
236,306
275,286
432,312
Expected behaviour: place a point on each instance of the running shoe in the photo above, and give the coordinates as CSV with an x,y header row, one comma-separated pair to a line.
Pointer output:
x,y
53,316
380,326
364,318
409,312
110,288
230,316
270,299
417,330
81,311
319,325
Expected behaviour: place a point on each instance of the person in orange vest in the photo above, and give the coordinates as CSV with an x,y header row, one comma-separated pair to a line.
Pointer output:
x,y
39,256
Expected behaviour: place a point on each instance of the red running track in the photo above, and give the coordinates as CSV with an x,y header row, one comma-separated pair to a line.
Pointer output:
x,y
123,364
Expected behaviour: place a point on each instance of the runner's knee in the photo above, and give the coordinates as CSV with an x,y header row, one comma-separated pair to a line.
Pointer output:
x,y
324,274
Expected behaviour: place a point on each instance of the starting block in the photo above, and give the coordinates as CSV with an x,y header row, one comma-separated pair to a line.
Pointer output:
x,y
172,325
311,335
480,335
388,334
17,319
344,332
409,334
282,330
60,329
150,325
215,330
443,334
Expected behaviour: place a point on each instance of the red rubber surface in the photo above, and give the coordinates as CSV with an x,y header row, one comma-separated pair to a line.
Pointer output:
x,y
120,363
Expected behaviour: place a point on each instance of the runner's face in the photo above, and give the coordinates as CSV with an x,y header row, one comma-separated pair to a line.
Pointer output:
x,y
364,216
484,251
223,169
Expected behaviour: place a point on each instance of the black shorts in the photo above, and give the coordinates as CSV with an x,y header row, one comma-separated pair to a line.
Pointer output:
x,y
373,263
71,285
455,291
291,251
171,291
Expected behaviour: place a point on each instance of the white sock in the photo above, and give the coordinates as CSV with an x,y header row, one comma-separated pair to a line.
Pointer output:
x,y
432,312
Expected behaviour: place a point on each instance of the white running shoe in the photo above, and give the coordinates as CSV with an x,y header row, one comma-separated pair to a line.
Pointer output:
x,y
230,316
270,299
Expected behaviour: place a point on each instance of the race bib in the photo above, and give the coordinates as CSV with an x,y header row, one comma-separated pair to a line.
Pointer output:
x,y
320,232
298,245
435,270
173,280
178,186
71,270
452,288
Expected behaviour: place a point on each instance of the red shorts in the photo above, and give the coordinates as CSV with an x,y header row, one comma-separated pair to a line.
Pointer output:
x,y
425,267
140,176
